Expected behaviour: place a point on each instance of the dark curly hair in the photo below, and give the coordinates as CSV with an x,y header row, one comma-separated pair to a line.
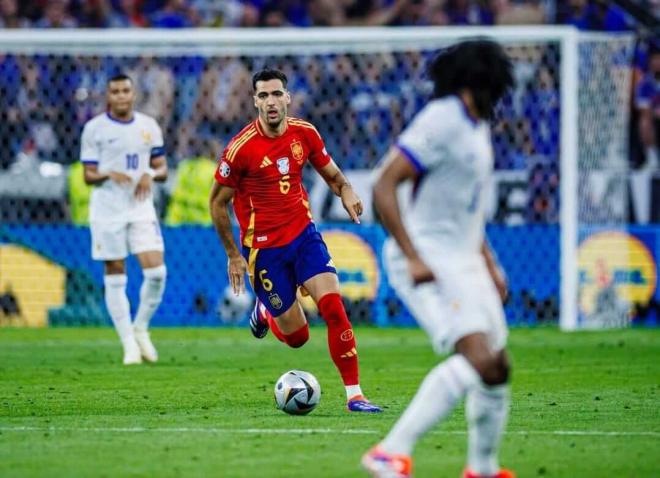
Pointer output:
x,y
268,74
480,66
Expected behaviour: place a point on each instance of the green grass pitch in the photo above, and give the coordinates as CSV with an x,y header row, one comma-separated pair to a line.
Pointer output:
x,y
584,405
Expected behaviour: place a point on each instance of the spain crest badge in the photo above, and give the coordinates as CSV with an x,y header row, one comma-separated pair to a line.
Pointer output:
x,y
297,151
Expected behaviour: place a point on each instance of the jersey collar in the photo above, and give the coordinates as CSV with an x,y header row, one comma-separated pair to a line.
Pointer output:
x,y
260,129
117,120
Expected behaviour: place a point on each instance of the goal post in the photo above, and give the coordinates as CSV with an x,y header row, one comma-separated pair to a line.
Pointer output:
x,y
579,142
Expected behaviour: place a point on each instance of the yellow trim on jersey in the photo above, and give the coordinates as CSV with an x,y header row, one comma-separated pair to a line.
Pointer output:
x,y
240,141
304,124
249,234
309,211
252,263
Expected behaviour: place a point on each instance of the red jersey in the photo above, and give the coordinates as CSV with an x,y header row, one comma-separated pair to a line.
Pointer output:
x,y
270,201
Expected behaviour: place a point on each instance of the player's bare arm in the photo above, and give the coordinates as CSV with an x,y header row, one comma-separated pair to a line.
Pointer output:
x,y
397,169
219,201
157,172
495,270
93,176
342,188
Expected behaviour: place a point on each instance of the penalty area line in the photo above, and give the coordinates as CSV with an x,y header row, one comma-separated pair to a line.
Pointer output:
x,y
309,431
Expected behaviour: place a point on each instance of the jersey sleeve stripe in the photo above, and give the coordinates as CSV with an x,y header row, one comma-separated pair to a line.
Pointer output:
x,y
306,125
157,151
239,143
237,139
303,124
89,161
410,156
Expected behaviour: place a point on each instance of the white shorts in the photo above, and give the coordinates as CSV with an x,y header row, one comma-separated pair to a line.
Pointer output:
x,y
115,240
463,300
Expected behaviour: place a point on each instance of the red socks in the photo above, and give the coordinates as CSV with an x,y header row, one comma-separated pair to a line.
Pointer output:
x,y
295,339
341,340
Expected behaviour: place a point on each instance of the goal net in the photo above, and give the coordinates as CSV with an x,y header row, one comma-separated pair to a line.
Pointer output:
x,y
559,138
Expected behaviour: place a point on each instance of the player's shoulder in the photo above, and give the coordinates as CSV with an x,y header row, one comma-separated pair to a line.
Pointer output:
x,y
144,119
305,128
447,105
239,140
299,123
447,112
97,121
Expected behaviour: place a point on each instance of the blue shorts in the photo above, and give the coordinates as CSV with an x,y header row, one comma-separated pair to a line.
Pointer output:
x,y
276,272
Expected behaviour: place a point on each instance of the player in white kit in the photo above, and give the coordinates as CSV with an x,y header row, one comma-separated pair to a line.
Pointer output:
x,y
122,152
440,263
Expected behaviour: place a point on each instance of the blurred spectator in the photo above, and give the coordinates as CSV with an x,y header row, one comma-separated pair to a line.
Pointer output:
x,y
175,14
466,12
57,15
189,201
375,115
543,194
507,12
374,12
79,193
238,13
272,16
326,13
541,112
9,16
598,15
38,107
95,13
329,110
647,102
210,12
12,116
422,12
224,102
127,15
154,84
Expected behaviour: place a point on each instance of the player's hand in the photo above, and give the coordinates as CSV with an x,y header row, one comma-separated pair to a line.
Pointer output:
x,y
419,271
351,203
237,268
143,187
120,178
501,284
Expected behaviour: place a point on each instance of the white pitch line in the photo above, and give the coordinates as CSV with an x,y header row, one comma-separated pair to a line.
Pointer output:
x,y
307,431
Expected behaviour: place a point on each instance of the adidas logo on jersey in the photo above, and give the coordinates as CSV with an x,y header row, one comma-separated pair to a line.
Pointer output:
x,y
265,162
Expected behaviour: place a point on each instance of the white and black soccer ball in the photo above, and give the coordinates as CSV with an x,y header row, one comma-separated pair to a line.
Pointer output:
x,y
297,392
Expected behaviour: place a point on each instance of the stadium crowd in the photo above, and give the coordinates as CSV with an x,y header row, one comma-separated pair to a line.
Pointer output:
x,y
592,15
358,102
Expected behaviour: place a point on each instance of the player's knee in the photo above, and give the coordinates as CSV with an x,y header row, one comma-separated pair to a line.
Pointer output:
x,y
490,367
156,275
115,267
504,367
497,370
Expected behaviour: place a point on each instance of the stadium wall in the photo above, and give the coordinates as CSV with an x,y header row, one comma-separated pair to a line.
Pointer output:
x,y
55,282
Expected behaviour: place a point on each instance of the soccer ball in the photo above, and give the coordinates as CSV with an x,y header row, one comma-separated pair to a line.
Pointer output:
x,y
297,392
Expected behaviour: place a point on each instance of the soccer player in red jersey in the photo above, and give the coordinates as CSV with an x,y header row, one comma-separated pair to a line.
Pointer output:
x,y
261,172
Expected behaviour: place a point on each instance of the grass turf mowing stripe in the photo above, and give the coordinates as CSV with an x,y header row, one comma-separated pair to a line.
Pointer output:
x,y
297,431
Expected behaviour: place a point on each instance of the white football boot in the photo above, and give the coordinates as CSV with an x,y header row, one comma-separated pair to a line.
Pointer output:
x,y
132,355
147,349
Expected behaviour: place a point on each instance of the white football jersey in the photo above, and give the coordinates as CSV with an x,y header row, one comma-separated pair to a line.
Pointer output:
x,y
454,157
125,147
